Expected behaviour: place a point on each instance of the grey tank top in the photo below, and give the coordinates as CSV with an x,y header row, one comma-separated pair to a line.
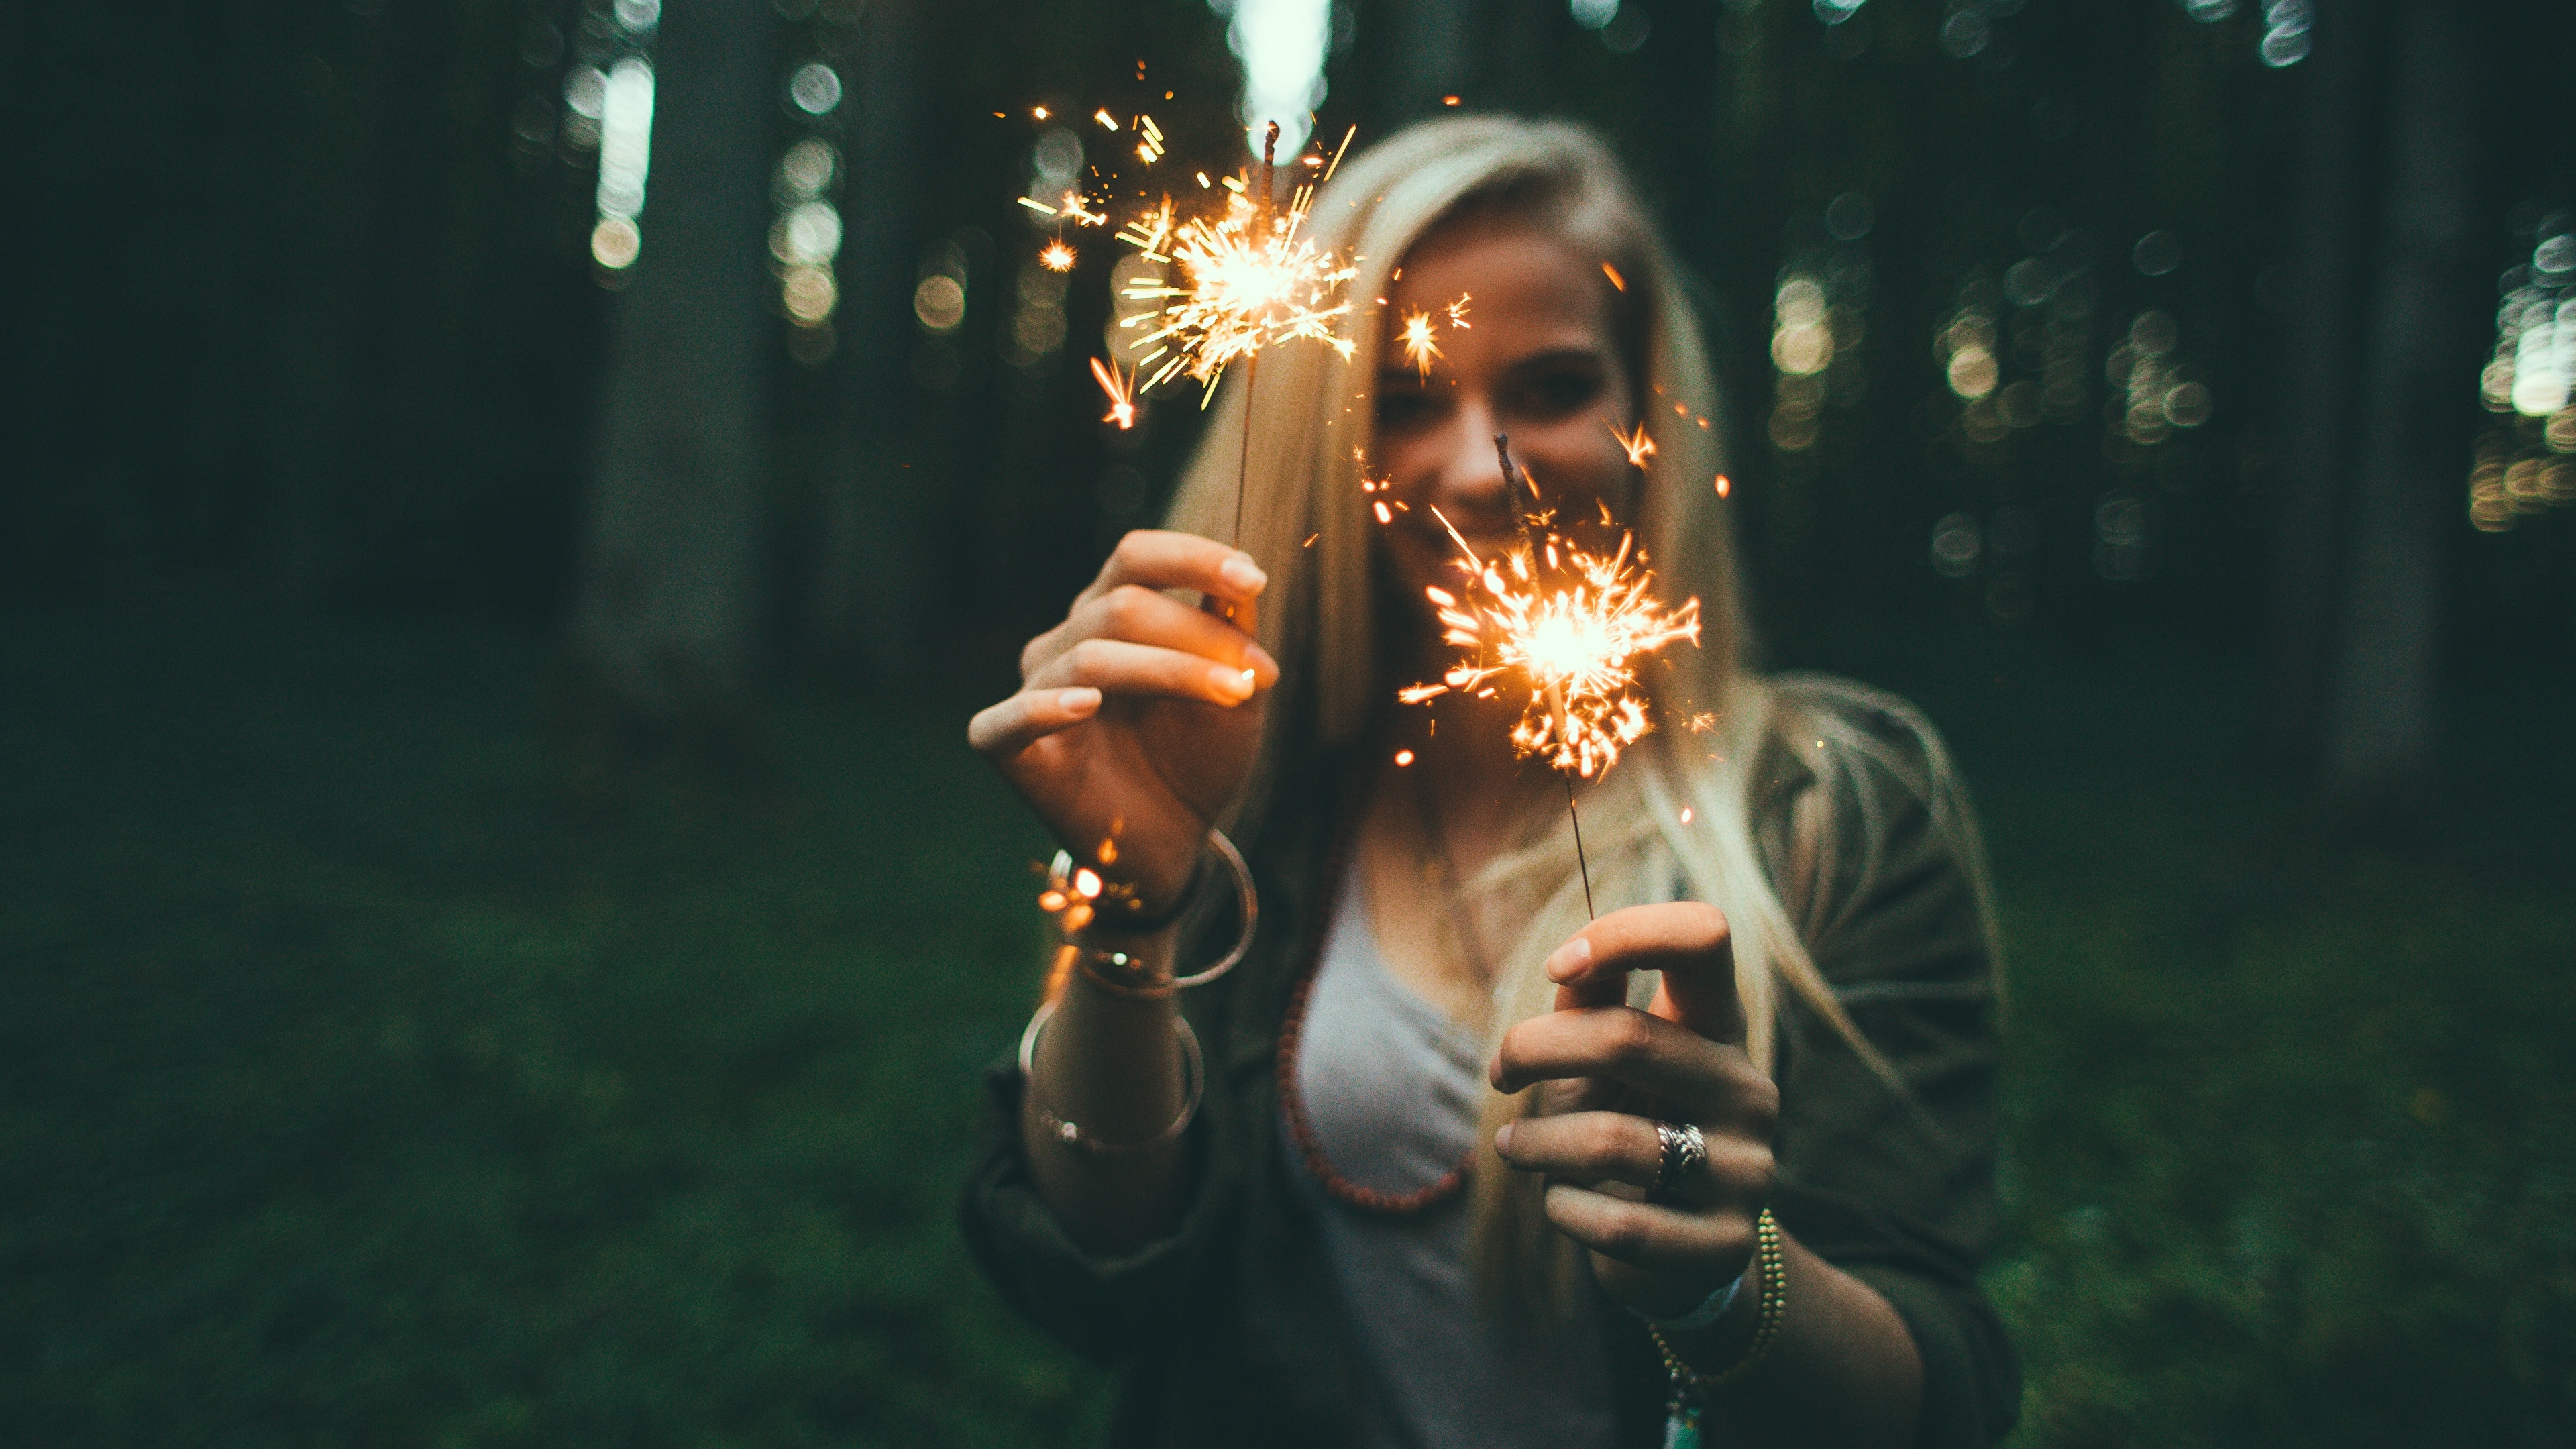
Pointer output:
x,y
1391,1088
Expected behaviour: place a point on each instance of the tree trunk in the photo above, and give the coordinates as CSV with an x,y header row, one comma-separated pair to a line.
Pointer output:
x,y
2418,372
869,571
2316,431
671,574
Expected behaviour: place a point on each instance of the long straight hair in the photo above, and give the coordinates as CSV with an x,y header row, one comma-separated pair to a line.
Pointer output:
x,y
1679,809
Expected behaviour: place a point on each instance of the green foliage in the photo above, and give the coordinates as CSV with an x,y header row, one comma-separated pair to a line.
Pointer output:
x,y
371,1079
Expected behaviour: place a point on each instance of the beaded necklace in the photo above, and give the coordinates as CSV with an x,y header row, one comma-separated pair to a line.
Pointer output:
x,y
1292,1102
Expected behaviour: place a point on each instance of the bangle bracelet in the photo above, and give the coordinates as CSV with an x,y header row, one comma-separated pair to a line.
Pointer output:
x,y
1710,1310
1247,905
1194,1087
1690,1386
1087,961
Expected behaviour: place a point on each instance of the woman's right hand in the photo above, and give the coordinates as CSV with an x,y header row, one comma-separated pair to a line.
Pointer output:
x,y
1137,717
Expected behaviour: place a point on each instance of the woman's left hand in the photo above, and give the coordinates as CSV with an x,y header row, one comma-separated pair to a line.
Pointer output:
x,y
1611,1073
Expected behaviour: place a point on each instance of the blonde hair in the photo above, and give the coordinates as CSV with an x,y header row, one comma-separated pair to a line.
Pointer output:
x,y
1310,416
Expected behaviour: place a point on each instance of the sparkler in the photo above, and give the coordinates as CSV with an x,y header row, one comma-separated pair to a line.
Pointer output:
x,y
1567,625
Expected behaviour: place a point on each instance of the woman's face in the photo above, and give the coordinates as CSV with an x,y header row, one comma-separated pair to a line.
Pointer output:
x,y
1537,358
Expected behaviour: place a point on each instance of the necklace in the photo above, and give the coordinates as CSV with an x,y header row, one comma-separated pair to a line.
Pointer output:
x,y
1292,1102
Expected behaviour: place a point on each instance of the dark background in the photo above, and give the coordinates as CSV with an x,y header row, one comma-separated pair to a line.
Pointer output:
x,y
477,980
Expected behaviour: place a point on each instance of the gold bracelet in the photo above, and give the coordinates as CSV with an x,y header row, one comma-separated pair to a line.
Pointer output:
x,y
1689,1382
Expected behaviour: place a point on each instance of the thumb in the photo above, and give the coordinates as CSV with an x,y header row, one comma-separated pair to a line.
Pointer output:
x,y
1687,941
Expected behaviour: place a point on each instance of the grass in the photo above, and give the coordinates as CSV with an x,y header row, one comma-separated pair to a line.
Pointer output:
x,y
377,1074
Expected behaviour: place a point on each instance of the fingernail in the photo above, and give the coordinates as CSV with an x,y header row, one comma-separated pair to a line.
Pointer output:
x,y
1082,700
1245,575
1232,683
1260,660
1503,1140
1569,960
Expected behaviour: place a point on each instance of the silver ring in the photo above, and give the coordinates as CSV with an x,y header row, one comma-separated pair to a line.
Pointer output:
x,y
1685,1152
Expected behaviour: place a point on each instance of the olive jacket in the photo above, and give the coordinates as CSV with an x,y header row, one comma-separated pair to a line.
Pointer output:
x,y
1227,1332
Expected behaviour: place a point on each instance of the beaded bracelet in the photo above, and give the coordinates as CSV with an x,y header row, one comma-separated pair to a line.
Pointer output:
x,y
1194,1088
1690,1386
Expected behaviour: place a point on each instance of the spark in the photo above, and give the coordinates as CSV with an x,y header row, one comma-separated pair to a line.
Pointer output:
x,y
1725,485
1057,257
1246,279
1121,389
1106,121
1420,330
1639,446
1417,342
1612,273
1567,626
1075,212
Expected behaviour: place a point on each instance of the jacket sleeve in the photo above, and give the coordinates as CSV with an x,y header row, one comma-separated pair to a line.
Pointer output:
x,y
1106,1307
1895,1182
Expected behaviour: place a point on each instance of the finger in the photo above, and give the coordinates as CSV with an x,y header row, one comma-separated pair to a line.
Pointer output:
x,y
1138,615
1595,1147
1687,941
1003,730
1157,558
1648,1235
1116,667
1705,1081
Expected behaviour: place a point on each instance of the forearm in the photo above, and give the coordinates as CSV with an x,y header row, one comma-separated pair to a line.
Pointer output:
x,y
1111,1064
1843,1370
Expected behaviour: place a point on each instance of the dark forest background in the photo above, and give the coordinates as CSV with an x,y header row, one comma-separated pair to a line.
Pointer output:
x,y
502,927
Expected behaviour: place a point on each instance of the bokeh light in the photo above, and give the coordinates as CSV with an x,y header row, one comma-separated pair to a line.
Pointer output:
x,y
1281,44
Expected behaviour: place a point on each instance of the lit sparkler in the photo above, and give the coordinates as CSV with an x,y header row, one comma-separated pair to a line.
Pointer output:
x,y
1057,257
1568,626
1247,279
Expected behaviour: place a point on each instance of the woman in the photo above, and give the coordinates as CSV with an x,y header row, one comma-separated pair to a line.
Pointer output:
x,y
1441,1162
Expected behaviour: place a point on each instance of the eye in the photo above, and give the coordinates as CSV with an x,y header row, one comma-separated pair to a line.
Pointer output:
x,y
1401,408
1557,389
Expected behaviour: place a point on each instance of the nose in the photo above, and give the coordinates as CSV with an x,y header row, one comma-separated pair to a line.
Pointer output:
x,y
1470,481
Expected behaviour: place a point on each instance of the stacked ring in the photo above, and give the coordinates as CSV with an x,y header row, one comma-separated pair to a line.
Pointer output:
x,y
1685,1152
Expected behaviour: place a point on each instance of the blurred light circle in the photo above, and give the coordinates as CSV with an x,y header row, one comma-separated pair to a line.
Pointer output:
x,y
2153,333
1627,30
1850,216
1057,156
2157,253
807,167
814,232
639,15
615,243
2285,47
1973,372
1955,546
2187,406
2029,281
2209,11
1039,329
1593,14
1964,34
815,88
586,91
1835,12
1802,349
2019,404
808,293
812,345
1800,302
2555,254
939,302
